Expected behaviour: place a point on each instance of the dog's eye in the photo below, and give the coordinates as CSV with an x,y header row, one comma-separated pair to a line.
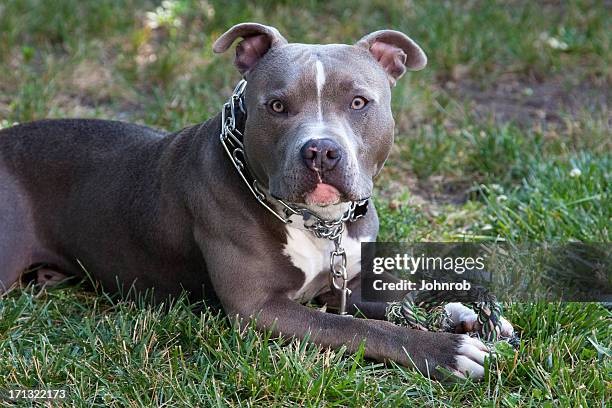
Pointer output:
x,y
277,106
359,102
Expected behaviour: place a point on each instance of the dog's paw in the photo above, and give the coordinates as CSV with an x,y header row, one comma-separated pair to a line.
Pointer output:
x,y
466,320
444,356
506,327
49,278
470,358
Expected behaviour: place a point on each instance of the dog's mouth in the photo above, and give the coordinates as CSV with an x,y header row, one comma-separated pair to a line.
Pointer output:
x,y
323,195
325,201
317,193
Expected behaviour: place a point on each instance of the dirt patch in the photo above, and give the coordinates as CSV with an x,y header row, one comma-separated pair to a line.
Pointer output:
x,y
397,179
527,100
444,190
551,103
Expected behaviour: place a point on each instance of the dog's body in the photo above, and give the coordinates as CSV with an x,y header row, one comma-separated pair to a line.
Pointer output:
x,y
120,229
134,206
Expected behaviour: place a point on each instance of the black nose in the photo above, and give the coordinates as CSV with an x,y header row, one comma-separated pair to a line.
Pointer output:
x,y
321,154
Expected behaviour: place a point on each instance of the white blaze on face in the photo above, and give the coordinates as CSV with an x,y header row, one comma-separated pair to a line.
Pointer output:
x,y
346,141
320,81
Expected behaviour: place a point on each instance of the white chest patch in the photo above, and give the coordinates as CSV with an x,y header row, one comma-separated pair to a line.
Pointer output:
x,y
311,255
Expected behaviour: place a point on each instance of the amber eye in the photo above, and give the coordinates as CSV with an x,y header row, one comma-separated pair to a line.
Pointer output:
x,y
359,102
277,106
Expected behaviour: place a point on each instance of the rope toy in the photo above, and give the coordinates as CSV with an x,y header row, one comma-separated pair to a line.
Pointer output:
x,y
430,315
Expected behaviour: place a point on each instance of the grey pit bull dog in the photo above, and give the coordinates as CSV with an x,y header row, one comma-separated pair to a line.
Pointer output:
x,y
170,212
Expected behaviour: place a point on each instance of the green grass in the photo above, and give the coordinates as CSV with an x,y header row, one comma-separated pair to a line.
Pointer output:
x,y
459,171
557,201
128,354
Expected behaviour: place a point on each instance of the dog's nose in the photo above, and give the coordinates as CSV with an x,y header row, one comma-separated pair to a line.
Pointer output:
x,y
321,154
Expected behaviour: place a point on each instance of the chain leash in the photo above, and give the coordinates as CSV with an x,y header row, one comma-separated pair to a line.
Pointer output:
x,y
232,141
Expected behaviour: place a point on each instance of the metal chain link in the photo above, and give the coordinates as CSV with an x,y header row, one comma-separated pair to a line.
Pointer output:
x,y
231,140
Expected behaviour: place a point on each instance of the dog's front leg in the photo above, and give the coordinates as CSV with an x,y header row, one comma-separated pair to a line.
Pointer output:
x,y
384,341
252,281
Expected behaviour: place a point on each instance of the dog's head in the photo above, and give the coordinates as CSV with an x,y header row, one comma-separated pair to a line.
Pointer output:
x,y
319,124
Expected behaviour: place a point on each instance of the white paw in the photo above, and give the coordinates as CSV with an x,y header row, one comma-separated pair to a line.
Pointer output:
x,y
461,315
49,277
506,328
466,318
470,358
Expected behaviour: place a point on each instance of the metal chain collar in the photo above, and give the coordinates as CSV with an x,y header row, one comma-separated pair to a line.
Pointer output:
x,y
232,141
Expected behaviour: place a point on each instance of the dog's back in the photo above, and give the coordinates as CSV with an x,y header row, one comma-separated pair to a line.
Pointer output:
x,y
53,141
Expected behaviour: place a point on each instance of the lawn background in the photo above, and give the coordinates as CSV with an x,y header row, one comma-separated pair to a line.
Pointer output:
x,y
504,136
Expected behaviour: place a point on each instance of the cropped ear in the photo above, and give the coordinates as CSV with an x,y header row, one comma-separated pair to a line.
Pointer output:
x,y
395,51
257,40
